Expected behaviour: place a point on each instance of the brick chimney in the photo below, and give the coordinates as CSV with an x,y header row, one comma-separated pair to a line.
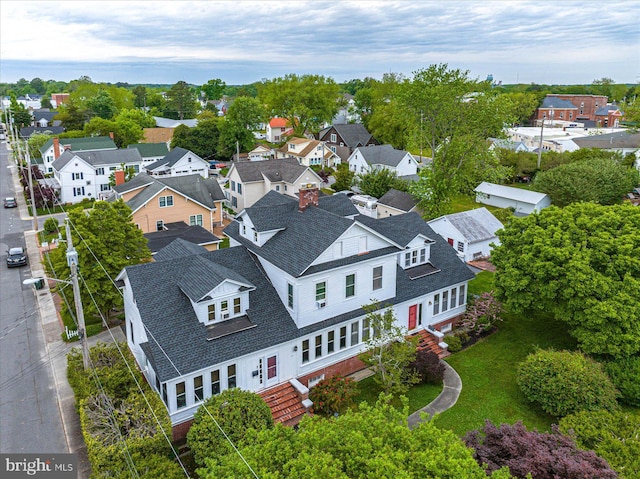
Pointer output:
x,y
308,195
56,148
111,135
119,174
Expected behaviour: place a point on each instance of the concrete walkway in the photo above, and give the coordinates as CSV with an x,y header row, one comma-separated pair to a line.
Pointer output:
x,y
452,386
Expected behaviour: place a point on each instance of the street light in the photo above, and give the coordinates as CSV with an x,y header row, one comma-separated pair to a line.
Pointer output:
x,y
72,261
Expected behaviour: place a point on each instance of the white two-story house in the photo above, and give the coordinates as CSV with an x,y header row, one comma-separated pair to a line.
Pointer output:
x,y
309,152
365,159
178,162
54,147
87,174
283,306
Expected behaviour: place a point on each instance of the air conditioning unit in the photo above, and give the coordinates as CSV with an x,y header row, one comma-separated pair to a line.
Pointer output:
x,y
321,304
225,316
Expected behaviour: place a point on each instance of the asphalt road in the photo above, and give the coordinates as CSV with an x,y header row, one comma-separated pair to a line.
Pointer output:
x,y
30,420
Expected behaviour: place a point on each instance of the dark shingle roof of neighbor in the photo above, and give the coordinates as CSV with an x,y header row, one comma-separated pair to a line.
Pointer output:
x,y
148,150
171,158
382,155
353,134
399,200
620,139
176,248
165,309
191,235
99,157
205,191
285,169
27,131
555,102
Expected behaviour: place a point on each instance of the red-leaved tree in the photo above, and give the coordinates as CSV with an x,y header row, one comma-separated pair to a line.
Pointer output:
x,y
543,455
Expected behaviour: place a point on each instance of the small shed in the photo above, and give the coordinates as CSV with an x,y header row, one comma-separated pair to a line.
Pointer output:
x,y
524,202
471,233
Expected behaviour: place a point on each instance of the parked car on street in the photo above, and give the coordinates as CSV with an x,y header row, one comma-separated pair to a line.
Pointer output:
x,y
10,202
16,257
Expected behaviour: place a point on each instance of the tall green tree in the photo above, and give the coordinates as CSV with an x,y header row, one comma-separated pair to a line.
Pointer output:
x,y
235,411
181,102
141,118
373,442
388,352
140,96
581,264
35,142
452,115
19,114
214,89
106,241
71,115
344,178
102,105
243,118
603,181
377,182
202,139
45,102
307,101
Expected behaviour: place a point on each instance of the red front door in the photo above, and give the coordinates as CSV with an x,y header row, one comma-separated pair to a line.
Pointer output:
x,y
450,241
413,314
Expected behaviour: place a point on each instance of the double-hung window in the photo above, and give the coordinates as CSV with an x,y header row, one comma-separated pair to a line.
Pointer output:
x,y
195,220
236,306
453,298
461,295
331,341
318,346
215,382
305,351
366,328
321,291
354,333
198,389
211,312
377,277
231,376
181,395
445,300
290,295
350,286
343,337
436,304
224,309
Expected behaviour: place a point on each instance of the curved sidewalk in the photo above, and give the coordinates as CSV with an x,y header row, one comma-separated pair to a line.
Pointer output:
x,y
452,385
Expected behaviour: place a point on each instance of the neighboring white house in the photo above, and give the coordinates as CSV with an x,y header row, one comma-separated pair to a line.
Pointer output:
x,y
276,129
54,147
179,162
261,153
471,233
248,181
283,306
524,202
309,152
87,174
365,159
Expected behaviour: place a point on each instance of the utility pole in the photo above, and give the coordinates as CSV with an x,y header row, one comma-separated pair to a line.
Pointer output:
x,y
72,261
34,211
540,145
421,121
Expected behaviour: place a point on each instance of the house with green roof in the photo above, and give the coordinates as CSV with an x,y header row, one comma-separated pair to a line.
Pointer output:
x,y
54,147
151,152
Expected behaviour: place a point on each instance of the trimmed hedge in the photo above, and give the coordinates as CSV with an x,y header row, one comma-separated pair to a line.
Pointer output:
x,y
119,422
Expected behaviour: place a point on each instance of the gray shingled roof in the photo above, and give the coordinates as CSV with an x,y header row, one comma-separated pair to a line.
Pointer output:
x,y
401,229
205,191
193,236
285,169
177,248
167,313
475,225
382,155
352,134
555,102
99,157
609,141
165,309
399,200
201,276
171,159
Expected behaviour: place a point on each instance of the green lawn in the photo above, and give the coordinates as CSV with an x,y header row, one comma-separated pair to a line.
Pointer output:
x,y
419,396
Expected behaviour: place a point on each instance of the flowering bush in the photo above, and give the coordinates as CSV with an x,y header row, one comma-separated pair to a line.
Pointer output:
x,y
482,313
333,395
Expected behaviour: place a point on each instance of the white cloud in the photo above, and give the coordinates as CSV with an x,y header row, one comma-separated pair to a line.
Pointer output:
x,y
554,41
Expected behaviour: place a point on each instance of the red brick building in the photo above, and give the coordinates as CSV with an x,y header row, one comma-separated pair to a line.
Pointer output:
x,y
571,107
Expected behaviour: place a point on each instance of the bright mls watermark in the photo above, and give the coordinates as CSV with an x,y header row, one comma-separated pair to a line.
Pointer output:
x,y
48,466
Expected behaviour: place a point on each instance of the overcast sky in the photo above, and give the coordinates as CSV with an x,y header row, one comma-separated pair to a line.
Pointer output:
x,y
561,42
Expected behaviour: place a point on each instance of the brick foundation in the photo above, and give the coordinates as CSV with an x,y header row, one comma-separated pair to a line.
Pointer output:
x,y
344,368
452,321
179,431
